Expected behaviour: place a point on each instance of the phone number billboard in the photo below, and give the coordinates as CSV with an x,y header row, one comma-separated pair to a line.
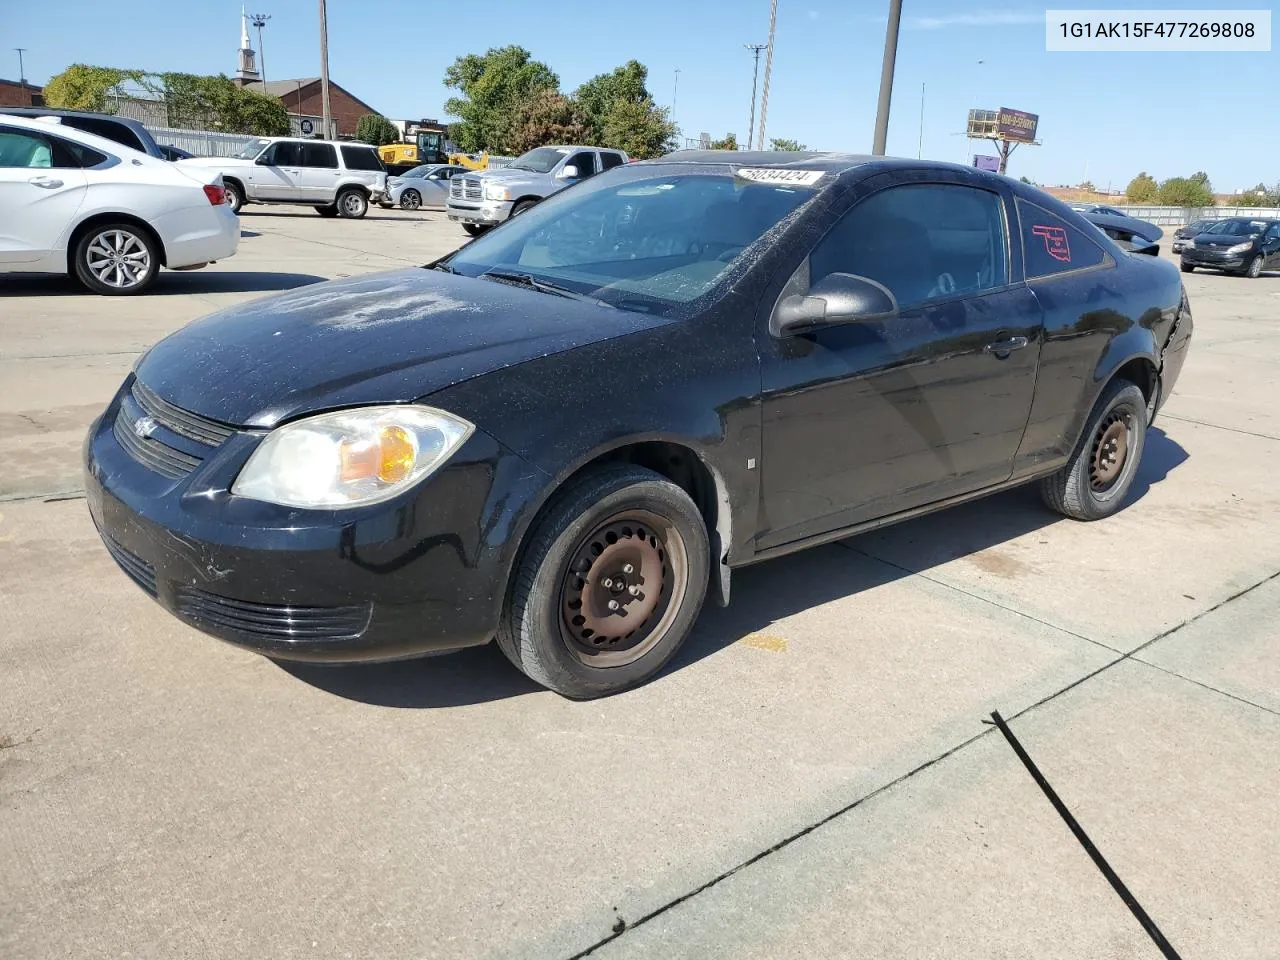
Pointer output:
x,y
1016,125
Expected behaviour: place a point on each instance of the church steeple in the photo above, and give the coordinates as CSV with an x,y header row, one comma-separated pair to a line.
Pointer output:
x,y
248,68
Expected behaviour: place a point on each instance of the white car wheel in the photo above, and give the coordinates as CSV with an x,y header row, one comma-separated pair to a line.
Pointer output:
x,y
116,258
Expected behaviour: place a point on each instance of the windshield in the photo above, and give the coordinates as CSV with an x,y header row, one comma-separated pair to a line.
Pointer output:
x,y
1238,227
648,244
421,171
250,150
540,160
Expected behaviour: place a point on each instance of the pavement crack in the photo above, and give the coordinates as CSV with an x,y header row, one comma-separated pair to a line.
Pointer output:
x,y
1218,426
978,596
1207,686
54,497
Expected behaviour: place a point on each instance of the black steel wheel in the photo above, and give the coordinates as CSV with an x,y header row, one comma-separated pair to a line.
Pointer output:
x,y
1101,471
610,584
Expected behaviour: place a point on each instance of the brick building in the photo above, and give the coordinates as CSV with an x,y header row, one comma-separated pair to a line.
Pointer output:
x,y
301,97
14,93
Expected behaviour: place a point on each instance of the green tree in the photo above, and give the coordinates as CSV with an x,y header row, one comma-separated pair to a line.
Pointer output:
x,y
598,97
1088,187
82,87
219,103
1142,189
376,129
778,143
547,117
1200,177
641,128
492,88
730,142
1028,180
1185,192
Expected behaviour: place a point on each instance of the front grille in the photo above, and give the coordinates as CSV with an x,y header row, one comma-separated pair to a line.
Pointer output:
x,y
455,188
160,457
471,188
138,438
137,569
271,621
206,431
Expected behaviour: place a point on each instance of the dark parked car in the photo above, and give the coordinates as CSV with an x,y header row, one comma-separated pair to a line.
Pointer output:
x,y
1183,234
175,153
567,432
1097,208
122,130
1243,245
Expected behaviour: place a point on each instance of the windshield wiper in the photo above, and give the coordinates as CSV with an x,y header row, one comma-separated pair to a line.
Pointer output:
x,y
542,286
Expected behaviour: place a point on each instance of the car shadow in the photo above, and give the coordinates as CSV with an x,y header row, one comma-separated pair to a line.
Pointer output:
x,y
306,213
167,283
763,594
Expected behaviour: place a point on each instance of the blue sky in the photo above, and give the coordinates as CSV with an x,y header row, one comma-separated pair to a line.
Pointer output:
x,y
1104,115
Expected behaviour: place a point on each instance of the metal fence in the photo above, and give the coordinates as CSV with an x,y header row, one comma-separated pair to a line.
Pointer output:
x,y
209,143
1178,216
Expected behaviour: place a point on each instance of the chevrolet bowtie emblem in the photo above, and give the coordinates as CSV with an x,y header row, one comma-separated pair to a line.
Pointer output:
x,y
144,427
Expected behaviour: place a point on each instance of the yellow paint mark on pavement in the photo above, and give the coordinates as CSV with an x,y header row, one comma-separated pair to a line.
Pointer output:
x,y
765,641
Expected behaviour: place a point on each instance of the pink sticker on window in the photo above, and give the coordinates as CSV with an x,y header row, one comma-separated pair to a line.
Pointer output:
x,y
1055,241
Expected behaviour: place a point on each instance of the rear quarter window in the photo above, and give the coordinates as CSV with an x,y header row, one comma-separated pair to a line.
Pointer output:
x,y
1051,246
361,158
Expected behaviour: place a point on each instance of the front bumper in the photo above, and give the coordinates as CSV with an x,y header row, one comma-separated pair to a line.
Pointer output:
x,y
423,573
1211,258
487,214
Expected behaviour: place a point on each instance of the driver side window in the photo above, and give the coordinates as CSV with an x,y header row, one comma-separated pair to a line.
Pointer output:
x,y
922,241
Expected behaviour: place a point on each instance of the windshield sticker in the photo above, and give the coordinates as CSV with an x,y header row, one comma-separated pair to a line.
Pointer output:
x,y
1055,241
806,178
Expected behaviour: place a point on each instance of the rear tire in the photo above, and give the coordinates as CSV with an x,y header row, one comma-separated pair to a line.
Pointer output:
x,y
1100,473
352,204
116,259
620,542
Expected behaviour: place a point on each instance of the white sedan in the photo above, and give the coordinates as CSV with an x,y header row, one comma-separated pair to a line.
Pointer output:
x,y
423,186
72,202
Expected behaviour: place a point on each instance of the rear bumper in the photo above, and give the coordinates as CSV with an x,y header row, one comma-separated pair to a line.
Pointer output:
x,y
198,236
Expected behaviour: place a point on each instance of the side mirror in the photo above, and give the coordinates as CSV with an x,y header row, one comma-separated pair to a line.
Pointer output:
x,y
263,161
567,172
836,299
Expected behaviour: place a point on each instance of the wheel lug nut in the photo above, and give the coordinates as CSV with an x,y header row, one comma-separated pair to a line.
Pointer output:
x,y
607,583
627,568
613,604
634,591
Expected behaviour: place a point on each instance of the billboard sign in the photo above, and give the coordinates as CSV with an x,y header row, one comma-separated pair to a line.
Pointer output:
x,y
991,164
1017,125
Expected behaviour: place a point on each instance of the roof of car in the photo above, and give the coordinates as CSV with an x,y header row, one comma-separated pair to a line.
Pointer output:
x,y
101,144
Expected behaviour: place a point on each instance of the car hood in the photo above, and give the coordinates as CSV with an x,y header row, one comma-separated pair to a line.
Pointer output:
x,y
508,176
1222,239
380,338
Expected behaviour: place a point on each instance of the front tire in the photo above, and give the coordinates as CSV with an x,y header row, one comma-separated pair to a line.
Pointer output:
x,y
610,584
352,204
117,259
1254,270
410,200
1100,473
473,229
1188,268
522,207
235,195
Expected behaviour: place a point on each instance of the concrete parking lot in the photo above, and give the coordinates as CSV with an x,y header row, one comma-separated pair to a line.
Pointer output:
x,y
811,778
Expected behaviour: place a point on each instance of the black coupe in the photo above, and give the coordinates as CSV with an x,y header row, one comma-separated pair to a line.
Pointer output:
x,y
568,432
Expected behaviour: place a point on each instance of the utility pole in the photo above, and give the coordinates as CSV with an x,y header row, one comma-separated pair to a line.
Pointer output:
x,y
675,92
768,71
259,20
324,72
22,76
920,142
886,77
755,48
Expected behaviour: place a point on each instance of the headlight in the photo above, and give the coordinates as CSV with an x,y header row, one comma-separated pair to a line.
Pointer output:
x,y
1189,245
1241,247
496,191
351,457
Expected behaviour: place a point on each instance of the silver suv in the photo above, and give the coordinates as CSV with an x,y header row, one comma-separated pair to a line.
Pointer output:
x,y
338,179
482,200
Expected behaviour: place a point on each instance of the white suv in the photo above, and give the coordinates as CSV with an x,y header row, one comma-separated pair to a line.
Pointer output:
x,y
338,179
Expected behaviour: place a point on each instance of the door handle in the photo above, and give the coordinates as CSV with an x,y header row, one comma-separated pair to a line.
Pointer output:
x,y
1002,348
48,183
